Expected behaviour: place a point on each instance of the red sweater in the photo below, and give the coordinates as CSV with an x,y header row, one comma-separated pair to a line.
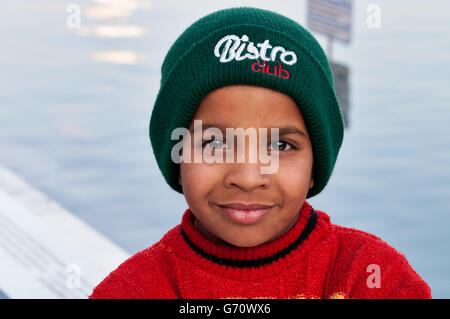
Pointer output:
x,y
314,259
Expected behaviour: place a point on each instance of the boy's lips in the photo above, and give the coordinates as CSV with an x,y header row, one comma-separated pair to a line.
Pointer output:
x,y
247,214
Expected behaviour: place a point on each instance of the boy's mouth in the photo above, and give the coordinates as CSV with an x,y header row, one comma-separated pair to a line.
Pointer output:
x,y
243,213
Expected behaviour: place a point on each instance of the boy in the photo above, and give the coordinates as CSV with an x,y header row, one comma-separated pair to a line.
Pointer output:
x,y
249,233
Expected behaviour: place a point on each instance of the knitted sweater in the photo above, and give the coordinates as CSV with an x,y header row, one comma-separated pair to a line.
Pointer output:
x,y
314,259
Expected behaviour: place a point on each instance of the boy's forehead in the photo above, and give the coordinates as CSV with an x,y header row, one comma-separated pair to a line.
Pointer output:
x,y
248,106
244,91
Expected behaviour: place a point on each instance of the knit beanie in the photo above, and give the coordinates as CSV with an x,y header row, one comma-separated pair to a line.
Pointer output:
x,y
250,46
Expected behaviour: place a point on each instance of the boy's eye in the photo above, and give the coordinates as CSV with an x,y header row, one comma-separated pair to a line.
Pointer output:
x,y
213,143
275,146
281,146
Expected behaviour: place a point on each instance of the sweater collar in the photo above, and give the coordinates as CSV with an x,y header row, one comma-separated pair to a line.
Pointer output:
x,y
249,257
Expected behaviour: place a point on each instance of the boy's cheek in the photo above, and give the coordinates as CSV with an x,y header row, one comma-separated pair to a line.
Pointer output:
x,y
296,173
198,179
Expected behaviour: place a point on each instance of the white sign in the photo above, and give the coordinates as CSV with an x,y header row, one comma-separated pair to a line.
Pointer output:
x,y
331,17
45,251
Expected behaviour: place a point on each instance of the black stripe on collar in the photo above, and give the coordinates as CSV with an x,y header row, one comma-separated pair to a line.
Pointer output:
x,y
312,221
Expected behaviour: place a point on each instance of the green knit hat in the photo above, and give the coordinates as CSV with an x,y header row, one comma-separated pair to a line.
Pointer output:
x,y
239,46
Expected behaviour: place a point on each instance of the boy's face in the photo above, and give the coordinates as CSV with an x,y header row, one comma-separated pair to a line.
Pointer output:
x,y
210,189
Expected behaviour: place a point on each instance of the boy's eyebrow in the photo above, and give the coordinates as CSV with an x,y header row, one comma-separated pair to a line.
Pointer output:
x,y
281,131
207,126
291,130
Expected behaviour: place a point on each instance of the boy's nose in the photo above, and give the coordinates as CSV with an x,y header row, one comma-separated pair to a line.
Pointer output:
x,y
246,176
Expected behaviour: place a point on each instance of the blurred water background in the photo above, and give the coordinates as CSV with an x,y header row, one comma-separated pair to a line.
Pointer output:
x,y
75,105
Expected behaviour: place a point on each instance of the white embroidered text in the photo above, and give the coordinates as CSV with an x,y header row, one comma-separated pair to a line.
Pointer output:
x,y
231,47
